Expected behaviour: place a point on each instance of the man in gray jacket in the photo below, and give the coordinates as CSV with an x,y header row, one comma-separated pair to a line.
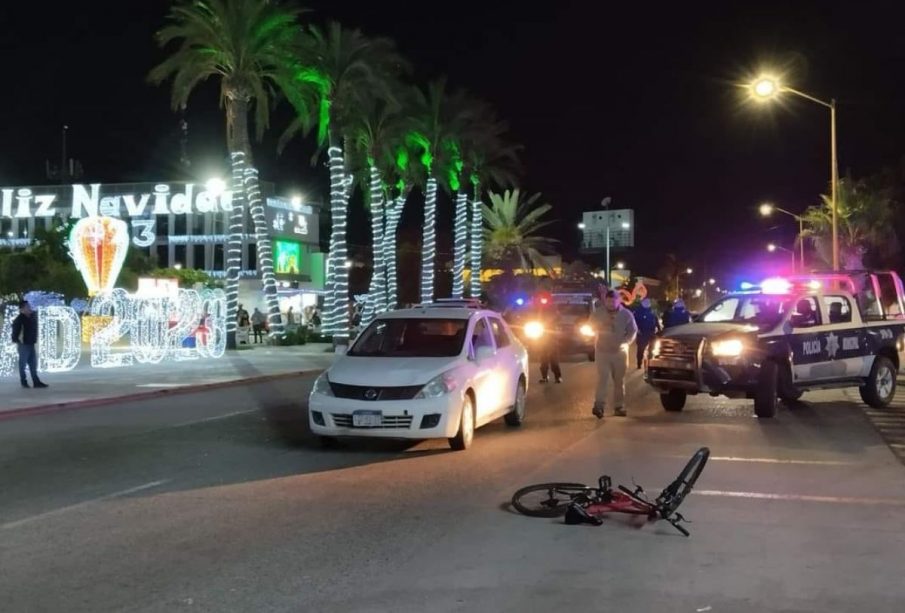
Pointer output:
x,y
616,331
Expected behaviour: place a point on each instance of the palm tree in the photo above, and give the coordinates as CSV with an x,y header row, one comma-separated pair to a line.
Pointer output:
x,y
245,44
341,70
489,161
439,119
510,234
866,212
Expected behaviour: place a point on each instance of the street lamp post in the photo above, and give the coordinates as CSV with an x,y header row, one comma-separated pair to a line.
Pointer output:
x,y
767,88
688,271
767,209
772,247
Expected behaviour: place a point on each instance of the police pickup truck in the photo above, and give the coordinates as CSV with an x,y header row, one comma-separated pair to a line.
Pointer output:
x,y
786,337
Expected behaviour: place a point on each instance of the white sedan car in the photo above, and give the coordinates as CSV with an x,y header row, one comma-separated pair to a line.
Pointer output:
x,y
427,372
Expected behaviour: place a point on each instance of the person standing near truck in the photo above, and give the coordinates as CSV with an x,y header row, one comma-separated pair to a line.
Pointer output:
x,y
616,330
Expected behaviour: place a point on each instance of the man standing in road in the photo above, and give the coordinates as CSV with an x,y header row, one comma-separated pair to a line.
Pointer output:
x,y
616,330
25,336
648,327
549,344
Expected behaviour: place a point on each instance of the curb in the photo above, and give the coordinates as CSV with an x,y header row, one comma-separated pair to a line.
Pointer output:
x,y
148,395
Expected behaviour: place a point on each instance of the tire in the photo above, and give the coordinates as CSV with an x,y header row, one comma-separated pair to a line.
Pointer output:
x,y
766,396
787,390
559,497
880,387
674,400
673,495
592,356
516,417
464,437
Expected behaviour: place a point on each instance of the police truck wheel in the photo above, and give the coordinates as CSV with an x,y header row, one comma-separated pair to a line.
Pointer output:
x,y
674,400
766,396
592,356
880,387
787,390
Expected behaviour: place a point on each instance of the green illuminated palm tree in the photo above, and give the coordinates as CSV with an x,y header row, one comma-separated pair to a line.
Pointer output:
x,y
510,233
440,120
866,213
342,70
245,45
489,162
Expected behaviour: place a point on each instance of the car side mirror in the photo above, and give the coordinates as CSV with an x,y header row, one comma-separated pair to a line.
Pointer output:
x,y
483,353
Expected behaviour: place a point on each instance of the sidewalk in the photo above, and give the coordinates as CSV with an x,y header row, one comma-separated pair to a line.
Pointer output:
x,y
86,386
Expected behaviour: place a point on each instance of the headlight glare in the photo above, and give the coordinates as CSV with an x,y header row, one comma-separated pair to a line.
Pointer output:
x,y
586,330
534,329
731,348
655,349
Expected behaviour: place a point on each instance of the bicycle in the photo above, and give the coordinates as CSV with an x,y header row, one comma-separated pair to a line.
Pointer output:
x,y
585,504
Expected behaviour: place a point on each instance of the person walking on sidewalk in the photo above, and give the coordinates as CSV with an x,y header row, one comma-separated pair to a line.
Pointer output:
x,y
648,327
25,336
257,324
616,330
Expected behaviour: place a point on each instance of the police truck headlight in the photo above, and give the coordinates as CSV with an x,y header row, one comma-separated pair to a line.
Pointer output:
x,y
534,329
731,348
655,349
586,330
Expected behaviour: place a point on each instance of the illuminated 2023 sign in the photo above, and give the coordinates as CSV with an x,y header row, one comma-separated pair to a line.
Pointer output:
x,y
136,330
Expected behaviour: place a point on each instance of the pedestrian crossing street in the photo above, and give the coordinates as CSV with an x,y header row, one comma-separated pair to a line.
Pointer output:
x,y
889,422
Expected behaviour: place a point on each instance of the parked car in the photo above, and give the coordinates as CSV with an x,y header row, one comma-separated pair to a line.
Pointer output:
x,y
434,371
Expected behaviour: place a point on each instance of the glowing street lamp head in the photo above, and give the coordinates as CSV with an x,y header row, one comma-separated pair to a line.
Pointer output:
x,y
712,281
581,226
296,201
626,225
766,209
215,186
771,247
620,265
688,271
765,88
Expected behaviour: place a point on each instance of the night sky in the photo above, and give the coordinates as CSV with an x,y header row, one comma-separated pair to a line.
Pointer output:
x,y
637,104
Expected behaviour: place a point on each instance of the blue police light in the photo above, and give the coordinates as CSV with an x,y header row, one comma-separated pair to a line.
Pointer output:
x,y
520,301
746,286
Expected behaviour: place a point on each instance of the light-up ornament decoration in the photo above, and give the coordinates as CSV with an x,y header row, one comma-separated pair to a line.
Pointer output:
x,y
9,354
59,338
98,246
115,305
210,340
149,325
477,237
185,315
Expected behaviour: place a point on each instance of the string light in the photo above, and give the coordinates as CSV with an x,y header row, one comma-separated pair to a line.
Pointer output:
x,y
98,246
115,305
149,323
59,338
188,311
210,339
337,316
477,237
9,354
377,296
460,244
265,250
389,247
429,244
234,245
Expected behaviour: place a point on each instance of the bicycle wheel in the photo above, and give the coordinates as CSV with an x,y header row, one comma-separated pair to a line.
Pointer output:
x,y
548,499
673,495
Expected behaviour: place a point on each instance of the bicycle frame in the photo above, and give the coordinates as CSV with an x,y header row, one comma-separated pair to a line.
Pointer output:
x,y
609,500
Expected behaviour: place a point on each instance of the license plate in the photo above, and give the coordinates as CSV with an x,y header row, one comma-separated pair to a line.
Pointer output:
x,y
673,364
367,419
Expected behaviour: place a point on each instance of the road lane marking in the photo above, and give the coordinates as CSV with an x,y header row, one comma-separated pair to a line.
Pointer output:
x,y
782,461
896,502
85,503
163,385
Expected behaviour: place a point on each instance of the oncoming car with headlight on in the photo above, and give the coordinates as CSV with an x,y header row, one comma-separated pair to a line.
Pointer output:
x,y
784,338
435,371
572,332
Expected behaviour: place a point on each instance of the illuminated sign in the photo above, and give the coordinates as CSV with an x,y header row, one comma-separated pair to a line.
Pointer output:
x,y
287,257
292,220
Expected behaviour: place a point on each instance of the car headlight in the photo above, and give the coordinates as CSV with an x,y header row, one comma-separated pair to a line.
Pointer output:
x,y
655,349
322,386
441,385
586,330
731,348
534,329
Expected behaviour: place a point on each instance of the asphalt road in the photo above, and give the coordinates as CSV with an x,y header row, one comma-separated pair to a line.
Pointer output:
x,y
221,501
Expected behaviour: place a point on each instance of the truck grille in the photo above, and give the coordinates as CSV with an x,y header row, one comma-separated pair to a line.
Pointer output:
x,y
674,349
365,392
394,422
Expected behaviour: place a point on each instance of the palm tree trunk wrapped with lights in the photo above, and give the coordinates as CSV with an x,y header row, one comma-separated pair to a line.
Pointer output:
x,y
377,291
234,245
336,322
429,243
394,213
477,236
460,244
264,250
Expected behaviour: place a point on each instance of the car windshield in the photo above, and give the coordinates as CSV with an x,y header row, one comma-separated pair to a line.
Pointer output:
x,y
411,338
574,309
756,309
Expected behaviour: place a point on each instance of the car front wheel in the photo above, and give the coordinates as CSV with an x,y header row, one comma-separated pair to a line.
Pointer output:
x,y
516,416
463,438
